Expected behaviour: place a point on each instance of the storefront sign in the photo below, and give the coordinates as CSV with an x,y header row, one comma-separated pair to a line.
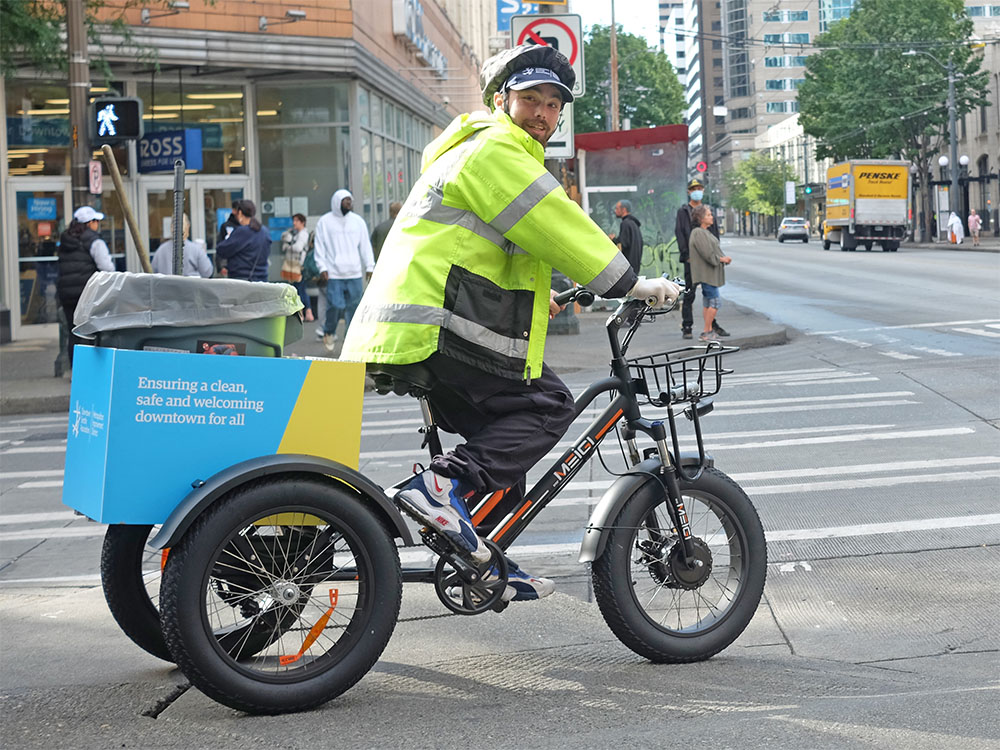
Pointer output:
x,y
159,151
34,131
43,209
408,23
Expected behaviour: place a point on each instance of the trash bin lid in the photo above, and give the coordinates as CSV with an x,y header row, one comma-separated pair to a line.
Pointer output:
x,y
114,300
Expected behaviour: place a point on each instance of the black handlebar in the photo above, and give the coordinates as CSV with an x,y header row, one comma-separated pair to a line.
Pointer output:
x,y
577,294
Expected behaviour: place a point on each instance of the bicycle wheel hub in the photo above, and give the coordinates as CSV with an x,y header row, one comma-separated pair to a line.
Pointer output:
x,y
286,592
686,577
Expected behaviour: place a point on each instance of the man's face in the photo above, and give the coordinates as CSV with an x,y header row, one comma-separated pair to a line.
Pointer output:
x,y
619,211
299,226
535,110
346,205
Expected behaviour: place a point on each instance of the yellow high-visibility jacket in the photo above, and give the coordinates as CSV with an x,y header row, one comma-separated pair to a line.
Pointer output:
x,y
466,268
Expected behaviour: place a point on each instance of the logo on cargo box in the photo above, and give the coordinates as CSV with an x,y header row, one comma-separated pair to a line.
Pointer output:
x,y
879,175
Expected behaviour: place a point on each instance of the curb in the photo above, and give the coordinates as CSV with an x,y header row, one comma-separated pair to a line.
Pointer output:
x,y
35,405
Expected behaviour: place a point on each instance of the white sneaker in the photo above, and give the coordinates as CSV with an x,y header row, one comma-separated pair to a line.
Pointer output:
x,y
329,341
319,332
435,502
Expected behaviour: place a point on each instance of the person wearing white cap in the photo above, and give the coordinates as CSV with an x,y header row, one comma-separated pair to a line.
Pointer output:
x,y
82,253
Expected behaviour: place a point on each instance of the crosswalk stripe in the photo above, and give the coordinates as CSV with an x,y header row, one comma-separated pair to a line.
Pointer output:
x,y
975,332
946,324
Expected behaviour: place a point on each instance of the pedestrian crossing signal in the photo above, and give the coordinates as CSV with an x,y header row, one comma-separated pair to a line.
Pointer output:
x,y
115,119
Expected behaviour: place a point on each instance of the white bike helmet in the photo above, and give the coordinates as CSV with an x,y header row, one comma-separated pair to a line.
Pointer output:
x,y
497,69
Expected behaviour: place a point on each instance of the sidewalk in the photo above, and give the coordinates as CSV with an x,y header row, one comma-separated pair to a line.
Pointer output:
x,y
28,386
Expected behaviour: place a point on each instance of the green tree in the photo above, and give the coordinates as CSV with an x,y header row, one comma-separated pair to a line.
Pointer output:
x,y
648,90
32,32
758,184
863,97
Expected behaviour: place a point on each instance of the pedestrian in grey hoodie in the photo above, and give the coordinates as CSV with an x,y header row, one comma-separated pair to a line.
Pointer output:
x,y
343,256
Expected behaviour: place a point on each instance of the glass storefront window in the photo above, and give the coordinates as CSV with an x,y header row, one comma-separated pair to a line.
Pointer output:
x,y
40,215
305,147
216,110
38,128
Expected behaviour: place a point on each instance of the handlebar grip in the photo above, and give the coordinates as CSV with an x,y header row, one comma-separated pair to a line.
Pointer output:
x,y
578,294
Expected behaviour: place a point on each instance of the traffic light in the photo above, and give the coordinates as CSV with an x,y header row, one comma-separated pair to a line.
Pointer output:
x,y
809,189
115,119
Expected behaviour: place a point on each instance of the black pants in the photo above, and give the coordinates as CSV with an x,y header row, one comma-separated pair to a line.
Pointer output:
x,y
69,309
690,290
507,424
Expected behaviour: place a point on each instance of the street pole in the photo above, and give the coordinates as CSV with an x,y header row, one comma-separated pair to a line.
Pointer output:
x,y
952,137
614,69
79,91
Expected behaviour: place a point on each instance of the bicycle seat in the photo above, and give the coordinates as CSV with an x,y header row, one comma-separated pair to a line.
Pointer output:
x,y
404,380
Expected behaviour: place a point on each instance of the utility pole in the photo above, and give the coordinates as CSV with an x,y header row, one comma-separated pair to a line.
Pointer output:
x,y
952,136
79,102
614,69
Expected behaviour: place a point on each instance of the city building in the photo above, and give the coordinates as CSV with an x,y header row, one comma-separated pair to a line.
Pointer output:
x,y
289,101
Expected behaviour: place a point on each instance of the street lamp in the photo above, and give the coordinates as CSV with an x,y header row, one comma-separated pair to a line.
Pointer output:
x,y
952,129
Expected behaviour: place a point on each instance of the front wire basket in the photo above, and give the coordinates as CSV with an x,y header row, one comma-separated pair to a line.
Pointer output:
x,y
688,374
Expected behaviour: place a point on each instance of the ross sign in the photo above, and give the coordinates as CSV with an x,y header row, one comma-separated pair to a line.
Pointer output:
x,y
116,119
95,176
701,166
564,32
408,24
561,145
158,151
507,9
789,192
42,209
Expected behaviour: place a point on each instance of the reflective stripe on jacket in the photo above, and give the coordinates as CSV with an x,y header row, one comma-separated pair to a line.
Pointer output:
x,y
466,268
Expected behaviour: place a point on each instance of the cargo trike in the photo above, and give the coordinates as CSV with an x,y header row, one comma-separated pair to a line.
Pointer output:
x,y
274,582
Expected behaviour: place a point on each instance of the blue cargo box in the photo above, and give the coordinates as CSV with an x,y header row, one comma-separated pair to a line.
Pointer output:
x,y
145,425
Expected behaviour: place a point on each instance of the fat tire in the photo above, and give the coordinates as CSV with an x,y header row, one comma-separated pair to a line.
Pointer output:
x,y
125,589
614,581
186,578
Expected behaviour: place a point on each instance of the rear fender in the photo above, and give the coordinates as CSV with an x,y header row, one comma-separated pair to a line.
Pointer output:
x,y
595,537
207,492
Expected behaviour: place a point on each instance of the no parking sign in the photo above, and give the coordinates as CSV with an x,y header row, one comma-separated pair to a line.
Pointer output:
x,y
564,32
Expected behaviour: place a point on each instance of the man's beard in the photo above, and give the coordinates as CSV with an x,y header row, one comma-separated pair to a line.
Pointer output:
x,y
544,140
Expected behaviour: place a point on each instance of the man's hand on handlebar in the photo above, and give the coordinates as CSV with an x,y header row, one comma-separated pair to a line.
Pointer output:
x,y
656,292
554,307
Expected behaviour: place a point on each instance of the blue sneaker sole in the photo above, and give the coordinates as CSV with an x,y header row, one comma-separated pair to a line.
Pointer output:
x,y
454,538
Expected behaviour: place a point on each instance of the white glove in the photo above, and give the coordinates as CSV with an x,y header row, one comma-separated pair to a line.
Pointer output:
x,y
655,291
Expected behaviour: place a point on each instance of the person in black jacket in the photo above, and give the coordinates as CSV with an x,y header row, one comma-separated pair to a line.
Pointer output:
x,y
248,246
682,230
82,253
629,237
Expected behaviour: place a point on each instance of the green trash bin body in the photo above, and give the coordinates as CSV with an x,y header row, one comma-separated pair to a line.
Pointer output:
x,y
183,314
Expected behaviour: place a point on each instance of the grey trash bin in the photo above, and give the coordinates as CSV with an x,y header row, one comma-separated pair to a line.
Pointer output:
x,y
188,314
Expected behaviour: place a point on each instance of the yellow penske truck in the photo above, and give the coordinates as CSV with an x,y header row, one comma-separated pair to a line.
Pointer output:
x,y
867,201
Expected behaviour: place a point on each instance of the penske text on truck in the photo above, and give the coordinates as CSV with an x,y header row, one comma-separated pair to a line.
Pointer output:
x,y
867,202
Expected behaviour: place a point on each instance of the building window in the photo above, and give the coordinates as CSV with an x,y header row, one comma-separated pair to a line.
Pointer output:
x,y
716,44
743,113
782,107
785,16
718,82
831,11
679,38
976,10
775,84
38,129
716,25
982,118
216,110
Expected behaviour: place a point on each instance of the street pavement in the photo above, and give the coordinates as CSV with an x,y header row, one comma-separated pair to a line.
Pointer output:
x,y
871,634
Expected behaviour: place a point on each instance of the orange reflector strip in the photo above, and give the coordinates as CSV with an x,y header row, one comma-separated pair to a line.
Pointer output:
x,y
490,505
163,558
314,631
511,521
610,424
